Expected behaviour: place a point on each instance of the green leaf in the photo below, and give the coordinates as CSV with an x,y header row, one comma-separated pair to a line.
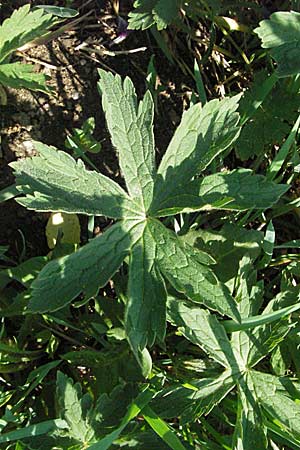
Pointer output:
x,y
227,247
162,429
186,269
281,34
191,402
276,400
272,120
71,404
23,26
17,75
151,12
204,330
236,190
202,134
134,409
62,280
131,128
59,11
54,181
250,431
34,430
146,308
82,140
8,193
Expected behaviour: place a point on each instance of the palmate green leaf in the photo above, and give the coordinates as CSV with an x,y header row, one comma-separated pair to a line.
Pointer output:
x,y
202,135
23,26
146,307
281,34
191,402
62,280
18,75
54,181
275,398
250,432
150,12
203,329
74,408
236,190
186,269
131,127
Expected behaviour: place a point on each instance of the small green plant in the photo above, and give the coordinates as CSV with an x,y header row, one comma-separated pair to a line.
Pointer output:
x,y
155,256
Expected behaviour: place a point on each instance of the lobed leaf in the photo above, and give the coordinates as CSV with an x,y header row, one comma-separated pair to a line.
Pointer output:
x,y
275,398
146,309
147,13
281,34
63,279
54,181
203,329
202,135
236,190
187,271
21,27
250,431
190,403
72,408
131,127
18,75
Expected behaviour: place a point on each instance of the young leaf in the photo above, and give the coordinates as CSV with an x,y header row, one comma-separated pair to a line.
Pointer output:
x,y
62,280
146,308
131,128
23,26
236,190
281,34
202,135
54,181
189,274
71,403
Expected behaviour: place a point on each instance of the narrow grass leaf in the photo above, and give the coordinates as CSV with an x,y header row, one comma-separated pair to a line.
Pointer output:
x,y
134,409
162,429
282,154
34,430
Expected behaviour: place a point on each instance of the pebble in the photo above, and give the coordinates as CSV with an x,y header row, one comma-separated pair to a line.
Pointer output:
x,y
28,146
75,96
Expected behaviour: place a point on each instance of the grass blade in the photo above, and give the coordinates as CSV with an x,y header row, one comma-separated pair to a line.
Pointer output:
x,y
161,428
